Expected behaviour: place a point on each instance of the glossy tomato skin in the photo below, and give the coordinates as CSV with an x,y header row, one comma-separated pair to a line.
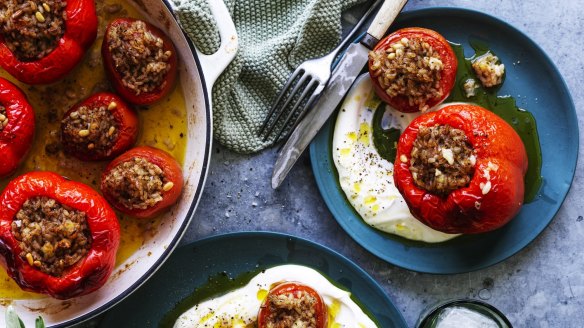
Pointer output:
x,y
80,33
288,287
172,172
440,45
17,136
498,149
125,117
89,273
115,77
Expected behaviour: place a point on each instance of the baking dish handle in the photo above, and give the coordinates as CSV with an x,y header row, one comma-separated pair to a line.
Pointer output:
x,y
213,65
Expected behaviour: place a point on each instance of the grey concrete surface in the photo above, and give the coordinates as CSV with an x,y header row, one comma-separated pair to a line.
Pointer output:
x,y
541,286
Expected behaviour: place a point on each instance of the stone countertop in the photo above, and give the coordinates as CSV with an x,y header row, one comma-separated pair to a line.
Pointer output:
x,y
541,286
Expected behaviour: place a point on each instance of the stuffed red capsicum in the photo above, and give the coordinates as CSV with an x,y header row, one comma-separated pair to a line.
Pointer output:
x,y
100,127
289,303
142,182
40,42
413,69
140,60
17,124
57,237
461,169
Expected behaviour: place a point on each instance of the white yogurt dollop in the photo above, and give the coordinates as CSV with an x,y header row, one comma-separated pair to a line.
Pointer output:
x,y
367,178
239,308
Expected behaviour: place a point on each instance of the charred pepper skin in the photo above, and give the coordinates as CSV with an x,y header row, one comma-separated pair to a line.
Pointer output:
x,y
448,58
127,121
116,79
17,136
80,33
492,198
89,273
168,165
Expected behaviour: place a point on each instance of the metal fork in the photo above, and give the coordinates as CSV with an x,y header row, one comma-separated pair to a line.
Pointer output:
x,y
309,79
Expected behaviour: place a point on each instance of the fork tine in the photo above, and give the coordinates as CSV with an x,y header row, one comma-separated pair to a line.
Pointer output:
x,y
298,72
290,97
302,112
309,86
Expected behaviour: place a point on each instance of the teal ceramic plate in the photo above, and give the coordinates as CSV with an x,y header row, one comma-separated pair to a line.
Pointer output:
x,y
538,86
190,267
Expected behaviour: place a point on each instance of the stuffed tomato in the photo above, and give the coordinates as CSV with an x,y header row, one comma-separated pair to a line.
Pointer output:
x,y
413,69
142,182
140,60
461,169
100,127
291,303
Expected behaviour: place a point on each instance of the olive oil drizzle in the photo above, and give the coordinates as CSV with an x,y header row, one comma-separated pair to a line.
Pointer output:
x,y
218,284
385,140
504,106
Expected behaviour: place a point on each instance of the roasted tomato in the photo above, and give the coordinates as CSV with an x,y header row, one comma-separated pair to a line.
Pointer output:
x,y
42,41
292,302
140,60
101,127
461,169
16,127
413,69
57,237
142,182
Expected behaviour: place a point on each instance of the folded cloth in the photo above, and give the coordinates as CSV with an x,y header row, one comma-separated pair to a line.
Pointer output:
x,y
275,36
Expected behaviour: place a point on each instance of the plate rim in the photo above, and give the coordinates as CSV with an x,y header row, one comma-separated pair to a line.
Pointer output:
x,y
562,86
367,278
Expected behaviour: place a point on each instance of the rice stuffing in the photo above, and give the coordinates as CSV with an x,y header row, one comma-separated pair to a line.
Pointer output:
x,y
32,29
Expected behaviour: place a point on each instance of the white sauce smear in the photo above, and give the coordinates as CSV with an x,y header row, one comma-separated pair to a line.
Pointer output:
x,y
367,178
239,308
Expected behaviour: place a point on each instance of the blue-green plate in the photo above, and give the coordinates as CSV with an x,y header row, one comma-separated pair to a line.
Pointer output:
x,y
237,253
537,85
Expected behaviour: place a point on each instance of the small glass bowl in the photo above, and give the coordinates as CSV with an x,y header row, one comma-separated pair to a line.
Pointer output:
x,y
429,318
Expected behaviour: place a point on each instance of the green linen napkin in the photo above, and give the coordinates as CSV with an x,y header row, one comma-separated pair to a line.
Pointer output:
x,y
275,36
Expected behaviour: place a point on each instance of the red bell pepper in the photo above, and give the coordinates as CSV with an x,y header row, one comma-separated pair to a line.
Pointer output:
x,y
126,129
440,45
116,78
91,271
80,32
495,192
16,137
172,173
293,289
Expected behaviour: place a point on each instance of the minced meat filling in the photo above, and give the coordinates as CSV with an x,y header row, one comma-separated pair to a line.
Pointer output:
x,y
409,68
90,129
139,57
291,310
136,184
32,28
3,118
52,236
442,159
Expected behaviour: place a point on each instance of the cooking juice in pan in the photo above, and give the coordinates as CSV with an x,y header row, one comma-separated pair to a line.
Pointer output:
x,y
162,125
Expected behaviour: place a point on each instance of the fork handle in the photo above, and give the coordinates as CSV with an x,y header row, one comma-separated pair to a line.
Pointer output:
x,y
386,15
